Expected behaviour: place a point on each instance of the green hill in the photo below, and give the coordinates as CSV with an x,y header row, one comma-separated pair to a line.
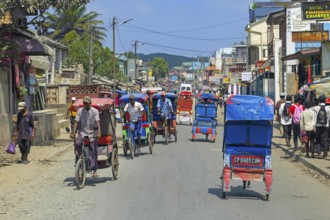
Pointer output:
x,y
173,60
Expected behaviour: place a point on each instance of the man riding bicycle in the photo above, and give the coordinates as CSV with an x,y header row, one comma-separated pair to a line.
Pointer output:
x,y
87,122
164,106
135,111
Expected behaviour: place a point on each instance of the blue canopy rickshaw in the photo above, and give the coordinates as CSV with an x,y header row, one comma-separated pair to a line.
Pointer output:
x,y
248,131
145,134
205,117
157,128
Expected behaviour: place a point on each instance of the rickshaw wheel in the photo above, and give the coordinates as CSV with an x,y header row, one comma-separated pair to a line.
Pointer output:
x,y
80,174
150,143
206,137
152,137
175,136
114,163
213,141
166,136
224,195
125,146
131,148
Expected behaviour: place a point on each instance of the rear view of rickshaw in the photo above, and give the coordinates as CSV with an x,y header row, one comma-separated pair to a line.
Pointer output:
x,y
107,150
184,113
129,141
247,142
205,117
159,125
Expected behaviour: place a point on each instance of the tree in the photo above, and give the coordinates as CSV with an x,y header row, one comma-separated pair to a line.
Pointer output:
x,y
159,67
13,15
102,59
72,23
37,8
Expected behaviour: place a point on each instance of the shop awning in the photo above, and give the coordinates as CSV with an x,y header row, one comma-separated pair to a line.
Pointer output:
x,y
32,46
303,54
40,62
264,65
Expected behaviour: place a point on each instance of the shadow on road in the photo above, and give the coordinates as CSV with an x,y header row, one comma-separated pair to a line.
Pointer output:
x,y
90,181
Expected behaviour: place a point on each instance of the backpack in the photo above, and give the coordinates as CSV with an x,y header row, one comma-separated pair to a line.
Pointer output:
x,y
286,110
297,113
322,117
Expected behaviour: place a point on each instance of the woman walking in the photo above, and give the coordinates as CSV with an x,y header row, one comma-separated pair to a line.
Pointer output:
x,y
307,125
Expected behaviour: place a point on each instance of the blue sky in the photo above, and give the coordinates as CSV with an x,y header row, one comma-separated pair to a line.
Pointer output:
x,y
183,27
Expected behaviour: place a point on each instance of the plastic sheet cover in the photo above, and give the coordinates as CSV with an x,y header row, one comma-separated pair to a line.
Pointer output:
x,y
248,107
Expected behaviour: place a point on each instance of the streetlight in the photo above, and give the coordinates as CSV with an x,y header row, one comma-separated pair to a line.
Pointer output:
x,y
114,23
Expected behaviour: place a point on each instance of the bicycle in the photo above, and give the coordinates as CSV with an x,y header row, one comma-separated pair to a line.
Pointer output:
x,y
83,163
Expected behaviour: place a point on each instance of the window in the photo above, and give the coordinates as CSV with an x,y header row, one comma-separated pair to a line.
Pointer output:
x,y
264,53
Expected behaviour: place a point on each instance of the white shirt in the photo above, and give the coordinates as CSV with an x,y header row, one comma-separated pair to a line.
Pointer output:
x,y
284,120
307,120
134,111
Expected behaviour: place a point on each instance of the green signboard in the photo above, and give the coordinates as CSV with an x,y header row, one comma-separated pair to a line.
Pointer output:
x,y
316,10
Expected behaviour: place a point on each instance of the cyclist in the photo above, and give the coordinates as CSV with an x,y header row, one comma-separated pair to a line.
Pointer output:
x,y
135,111
88,120
164,106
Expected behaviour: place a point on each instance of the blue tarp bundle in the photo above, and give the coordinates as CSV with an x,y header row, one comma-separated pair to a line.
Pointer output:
x,y
248,107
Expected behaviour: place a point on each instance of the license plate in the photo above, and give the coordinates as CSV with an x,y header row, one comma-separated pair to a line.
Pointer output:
x,y
246,160
183,118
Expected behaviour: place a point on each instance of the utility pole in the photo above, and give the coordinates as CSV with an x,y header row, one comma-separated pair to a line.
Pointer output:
x,y
135,46
114,53
91,64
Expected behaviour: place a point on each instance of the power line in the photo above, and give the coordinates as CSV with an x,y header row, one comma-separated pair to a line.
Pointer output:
x,y
209,27
183,37
176,48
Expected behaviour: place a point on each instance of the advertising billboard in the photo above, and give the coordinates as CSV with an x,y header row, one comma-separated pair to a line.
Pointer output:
x,y
316,10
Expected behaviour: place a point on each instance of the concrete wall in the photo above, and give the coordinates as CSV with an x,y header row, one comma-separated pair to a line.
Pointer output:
x,y
325,58
46,126
6,125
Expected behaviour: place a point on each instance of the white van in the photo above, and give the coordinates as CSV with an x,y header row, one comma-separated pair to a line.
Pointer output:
x,y
185,87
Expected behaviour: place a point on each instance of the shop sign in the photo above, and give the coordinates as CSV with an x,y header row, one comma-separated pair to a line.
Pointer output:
x,y
246,76
310,36
294,21
316,10
225,81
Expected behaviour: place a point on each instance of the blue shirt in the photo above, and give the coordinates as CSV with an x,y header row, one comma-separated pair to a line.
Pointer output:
x,y
165,107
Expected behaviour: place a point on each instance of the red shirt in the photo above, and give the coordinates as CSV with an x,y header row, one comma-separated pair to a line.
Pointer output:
x,y
293,107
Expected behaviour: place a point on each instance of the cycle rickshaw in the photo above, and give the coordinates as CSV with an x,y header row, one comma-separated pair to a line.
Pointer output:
x,y
247,141
107,149
159,125
185,108
145,138
205,117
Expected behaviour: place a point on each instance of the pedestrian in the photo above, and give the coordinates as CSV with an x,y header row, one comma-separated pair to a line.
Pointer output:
x,y
71,113
87,122
307,125
24,131
321,126
295,111
286,120
277,108
220,103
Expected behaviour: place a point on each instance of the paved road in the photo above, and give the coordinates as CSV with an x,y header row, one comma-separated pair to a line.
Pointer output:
x,y
181,181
